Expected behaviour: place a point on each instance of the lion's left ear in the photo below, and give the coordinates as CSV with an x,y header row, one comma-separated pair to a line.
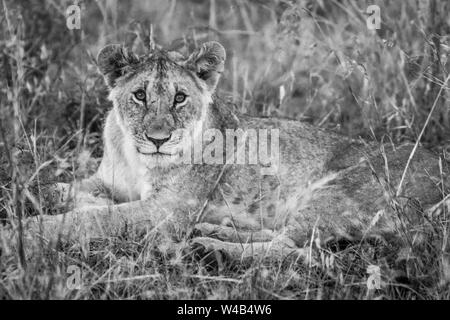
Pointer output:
x,y
113,61
208,62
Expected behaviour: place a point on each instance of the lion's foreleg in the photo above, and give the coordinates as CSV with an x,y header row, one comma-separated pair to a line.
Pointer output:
x,y
251,251
101,221
245,246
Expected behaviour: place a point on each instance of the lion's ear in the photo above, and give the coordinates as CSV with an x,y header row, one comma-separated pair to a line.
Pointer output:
x,y
208,62
113,62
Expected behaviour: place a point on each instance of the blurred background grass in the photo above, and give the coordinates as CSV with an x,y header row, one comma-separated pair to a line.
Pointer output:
x,y
314,61
308,60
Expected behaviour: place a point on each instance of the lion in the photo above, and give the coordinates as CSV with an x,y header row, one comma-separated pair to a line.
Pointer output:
x,y
315,184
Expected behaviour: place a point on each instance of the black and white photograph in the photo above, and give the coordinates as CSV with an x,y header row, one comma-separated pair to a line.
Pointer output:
x,y
224,150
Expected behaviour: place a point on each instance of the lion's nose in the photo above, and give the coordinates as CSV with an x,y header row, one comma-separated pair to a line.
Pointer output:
x,y
158,142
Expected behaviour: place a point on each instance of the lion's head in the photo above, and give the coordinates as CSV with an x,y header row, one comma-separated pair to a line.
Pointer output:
x,y
162,98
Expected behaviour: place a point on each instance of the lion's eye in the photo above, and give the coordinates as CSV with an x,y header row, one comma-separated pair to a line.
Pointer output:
x,y
140,95
180,97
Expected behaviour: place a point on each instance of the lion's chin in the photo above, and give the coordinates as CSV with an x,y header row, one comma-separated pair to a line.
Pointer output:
x,y
158,159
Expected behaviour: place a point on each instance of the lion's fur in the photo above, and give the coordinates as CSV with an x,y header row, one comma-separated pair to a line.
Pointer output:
x,y
324,182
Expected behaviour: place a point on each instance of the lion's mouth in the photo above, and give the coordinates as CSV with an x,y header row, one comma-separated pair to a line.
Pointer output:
x,y
155,153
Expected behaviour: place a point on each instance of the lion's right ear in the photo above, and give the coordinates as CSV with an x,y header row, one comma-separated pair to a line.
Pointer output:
x,y
208,62
113,62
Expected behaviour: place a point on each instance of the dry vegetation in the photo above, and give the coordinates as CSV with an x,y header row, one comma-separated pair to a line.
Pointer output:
x,y
312,61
